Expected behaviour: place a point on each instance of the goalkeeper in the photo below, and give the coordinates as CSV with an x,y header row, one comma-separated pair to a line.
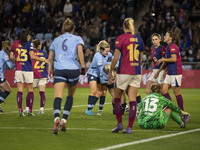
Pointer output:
x,y
151,114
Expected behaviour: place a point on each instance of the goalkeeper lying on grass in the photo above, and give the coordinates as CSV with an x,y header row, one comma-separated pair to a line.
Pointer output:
x,y
151,114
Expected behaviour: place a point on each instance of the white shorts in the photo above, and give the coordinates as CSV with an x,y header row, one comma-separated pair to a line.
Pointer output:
x,y
173,80
24,76
160,79
40,81
124,80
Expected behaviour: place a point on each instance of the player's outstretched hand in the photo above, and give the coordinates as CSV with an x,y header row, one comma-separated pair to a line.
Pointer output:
x,y
82,71
185,113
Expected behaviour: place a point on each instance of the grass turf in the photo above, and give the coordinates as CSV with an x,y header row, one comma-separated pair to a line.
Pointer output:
x,y
90,132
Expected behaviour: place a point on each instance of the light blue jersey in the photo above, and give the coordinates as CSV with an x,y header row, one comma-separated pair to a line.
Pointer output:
x,y
5,60
98,63
65,50
103,75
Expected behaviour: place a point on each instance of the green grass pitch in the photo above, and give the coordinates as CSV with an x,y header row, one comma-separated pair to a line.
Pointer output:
x,y
91,132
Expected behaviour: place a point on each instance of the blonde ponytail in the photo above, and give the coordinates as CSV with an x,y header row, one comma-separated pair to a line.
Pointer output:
x,y
129,24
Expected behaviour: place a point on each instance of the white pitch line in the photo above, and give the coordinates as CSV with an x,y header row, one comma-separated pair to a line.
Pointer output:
x,y
14,112
80,129
147,140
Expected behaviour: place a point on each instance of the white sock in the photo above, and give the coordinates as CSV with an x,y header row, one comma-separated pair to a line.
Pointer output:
x,y
56,119
64,120
27,108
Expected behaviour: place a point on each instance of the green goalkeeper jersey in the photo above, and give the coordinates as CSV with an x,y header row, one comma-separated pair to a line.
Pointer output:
x,y
150,109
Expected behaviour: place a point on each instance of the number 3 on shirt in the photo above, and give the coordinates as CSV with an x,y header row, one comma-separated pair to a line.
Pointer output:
x,y
23,54
136,52
152,104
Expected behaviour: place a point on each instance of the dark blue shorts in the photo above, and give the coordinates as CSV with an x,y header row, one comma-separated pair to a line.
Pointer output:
x,y
2,80
92,78
67,76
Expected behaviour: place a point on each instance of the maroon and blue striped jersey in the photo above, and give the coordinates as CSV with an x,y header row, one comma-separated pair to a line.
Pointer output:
x,y
174,68
40,68
23,60
156,54
130,47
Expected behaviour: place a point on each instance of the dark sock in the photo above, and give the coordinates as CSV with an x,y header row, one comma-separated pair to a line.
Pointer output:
x,y
123,107
118,110
67,107
42,99
19,101
90,102
138,99
30,97
57,107
101,102
167,96
175,117
132,113
180,101
3,95
95,99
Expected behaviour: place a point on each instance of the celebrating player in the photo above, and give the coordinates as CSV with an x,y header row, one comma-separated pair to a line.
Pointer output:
x,y
157,52
101,58
22,53
40,73
151,114
5,60
63,52
129,72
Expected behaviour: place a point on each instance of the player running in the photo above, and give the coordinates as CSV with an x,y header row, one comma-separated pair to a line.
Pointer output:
x,y
5,61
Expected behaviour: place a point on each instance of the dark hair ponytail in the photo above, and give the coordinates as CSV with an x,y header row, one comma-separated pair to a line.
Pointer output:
x,y
23,36
175,38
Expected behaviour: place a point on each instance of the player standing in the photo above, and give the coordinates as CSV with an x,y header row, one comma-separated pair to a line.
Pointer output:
x,y
63,53
174,67
40,73
129,72
101,58
22,53
157,52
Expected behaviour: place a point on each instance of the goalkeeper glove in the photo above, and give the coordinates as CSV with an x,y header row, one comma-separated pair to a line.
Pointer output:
x,y
185,113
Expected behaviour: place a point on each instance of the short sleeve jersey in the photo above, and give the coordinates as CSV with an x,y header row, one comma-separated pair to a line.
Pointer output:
x,y
98,63
156,54
130,47
151,107
40,68
23,60
174,68
5,60
65,50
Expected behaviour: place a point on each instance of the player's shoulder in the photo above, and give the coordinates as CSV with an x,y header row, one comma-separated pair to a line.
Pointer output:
x,y
16,43
173,45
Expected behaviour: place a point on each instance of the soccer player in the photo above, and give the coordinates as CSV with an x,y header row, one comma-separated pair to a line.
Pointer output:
x,y
22,53
63,53
129,71
40,73
157,52
102,57
5,60
174,68
151,114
